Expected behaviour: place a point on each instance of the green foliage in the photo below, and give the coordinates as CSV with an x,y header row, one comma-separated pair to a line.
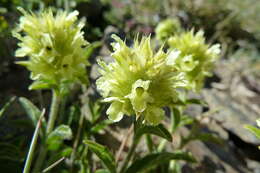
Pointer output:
x,y
100,126
139,81
158,130
103,153
32,111
7,104
3,25
153,160
102,171
56,137
253,130
194,57
55,46
142,81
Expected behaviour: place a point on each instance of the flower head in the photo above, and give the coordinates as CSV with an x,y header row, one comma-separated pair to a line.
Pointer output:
x,y
139,81
193,57
167,28
55,47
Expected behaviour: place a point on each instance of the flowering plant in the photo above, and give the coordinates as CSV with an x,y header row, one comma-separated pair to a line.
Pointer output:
x,y
139,81
194,57
55,46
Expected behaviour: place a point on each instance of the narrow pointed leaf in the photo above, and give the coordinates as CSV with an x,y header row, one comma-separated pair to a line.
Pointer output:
x,y
100,126
158,130
102,171
38,85
207,137
103,154
4,108
254,130
196,101
32,111
176,118
153,160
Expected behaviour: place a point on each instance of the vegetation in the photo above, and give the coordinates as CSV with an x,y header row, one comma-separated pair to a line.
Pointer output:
x,y
101,70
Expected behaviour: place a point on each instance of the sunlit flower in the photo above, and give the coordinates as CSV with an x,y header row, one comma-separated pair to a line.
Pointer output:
x,y
193,57
138,81
55,47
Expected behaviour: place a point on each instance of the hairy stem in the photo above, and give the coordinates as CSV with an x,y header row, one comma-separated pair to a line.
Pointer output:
x,y
76,142
129,156
132,149
51,122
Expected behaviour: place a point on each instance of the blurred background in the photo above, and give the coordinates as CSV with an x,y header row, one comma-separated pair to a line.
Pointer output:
x,y
233,92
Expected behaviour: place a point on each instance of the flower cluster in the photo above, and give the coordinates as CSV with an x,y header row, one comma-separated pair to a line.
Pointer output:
x,y
167,28
142,82
139,81
194,57
55,47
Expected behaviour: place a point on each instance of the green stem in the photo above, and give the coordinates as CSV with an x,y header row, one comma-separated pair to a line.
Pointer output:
x,y
132,148
129,156
54,112
51,122
33,146
172,129
76,142
149,143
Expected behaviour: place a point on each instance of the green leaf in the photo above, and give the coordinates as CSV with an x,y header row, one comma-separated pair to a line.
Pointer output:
x,y
254,130
149,142
196,101
74,113
56,137
4,108
38,85
103,154
90,49
138,123
153,160
66,152
186,120
32,111
207,137
100,126
176,118
158,130
102,171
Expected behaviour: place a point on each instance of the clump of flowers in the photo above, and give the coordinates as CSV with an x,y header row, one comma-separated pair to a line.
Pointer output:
x,y
167,28
193,57
139,81
55,46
